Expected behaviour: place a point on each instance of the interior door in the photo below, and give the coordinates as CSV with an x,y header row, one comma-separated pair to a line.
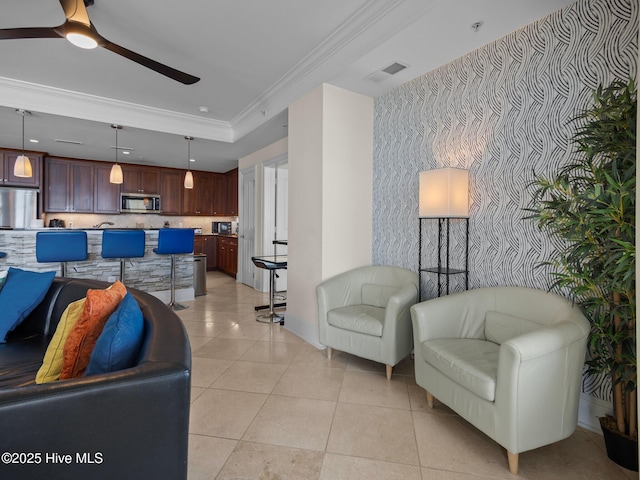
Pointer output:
x,y
247,227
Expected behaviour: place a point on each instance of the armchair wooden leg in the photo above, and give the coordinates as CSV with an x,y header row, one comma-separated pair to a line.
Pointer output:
x,y
389,371
328,353
513,462
429,400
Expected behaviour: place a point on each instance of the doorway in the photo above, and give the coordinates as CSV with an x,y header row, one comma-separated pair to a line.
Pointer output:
x,y
247,227
276,212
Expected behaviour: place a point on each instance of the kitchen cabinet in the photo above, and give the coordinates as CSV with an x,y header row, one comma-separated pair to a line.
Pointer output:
x,y
227,255
219,194
69,185
232,192
207,245
171,188
106,198
198,200
7,178
137,179
225,194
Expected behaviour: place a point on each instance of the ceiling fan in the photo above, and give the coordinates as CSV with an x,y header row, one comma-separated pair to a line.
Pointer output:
x,y
79,30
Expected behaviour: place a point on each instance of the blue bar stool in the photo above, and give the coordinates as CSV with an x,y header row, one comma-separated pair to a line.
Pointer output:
x,y
122,244
3,254
174,241
61,247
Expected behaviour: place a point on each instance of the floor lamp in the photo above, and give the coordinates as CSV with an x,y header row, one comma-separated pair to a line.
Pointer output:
x,y
444,195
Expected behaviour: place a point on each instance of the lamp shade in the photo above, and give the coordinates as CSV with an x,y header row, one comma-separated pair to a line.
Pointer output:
x,y
188,179
444,193
22,167
116,174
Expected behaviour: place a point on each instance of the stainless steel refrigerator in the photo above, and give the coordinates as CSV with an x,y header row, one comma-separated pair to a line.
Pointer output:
x,y
18,207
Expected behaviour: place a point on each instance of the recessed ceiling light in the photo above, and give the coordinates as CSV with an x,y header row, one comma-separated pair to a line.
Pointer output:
x,y
126,152
34,140
73,142
204,109
192,159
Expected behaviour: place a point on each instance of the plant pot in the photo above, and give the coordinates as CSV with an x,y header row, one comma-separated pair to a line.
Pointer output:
x,y
620,448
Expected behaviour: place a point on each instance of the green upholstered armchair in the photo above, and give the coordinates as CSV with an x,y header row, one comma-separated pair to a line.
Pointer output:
x,y
365,312
509,360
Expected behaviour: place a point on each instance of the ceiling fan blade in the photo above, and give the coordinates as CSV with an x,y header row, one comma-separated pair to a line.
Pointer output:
x,y
152,64
37,32
75,11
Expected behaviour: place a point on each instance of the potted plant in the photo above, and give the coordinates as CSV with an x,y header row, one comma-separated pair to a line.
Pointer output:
x,y
588,207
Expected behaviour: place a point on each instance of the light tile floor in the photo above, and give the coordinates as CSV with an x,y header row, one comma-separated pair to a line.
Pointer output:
x,y
266,405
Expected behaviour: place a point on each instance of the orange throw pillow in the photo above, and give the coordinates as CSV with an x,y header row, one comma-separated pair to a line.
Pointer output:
x,y
83,336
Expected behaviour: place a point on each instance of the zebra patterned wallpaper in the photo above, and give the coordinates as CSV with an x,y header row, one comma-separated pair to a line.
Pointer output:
x,y
502,112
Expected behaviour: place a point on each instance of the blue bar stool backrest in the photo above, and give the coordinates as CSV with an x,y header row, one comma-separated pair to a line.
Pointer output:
x,y
3,254
122,243
174,241
61,246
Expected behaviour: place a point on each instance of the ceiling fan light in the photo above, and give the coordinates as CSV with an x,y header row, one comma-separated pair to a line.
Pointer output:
x,y
188,179
22,167
116,174
81,40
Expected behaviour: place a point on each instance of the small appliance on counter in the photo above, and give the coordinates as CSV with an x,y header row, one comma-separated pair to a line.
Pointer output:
x,y
221,228
56,223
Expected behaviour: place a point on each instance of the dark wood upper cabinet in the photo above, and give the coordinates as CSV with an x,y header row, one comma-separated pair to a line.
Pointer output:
x,y
106,198
137,179
7,178
232,192
198,200
72,185
56,181
69,185
171,187
220,194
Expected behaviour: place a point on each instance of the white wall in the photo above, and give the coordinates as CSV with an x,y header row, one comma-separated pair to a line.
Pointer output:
x,y
330,196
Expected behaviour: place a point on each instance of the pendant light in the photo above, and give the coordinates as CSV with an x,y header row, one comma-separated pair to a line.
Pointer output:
x,y
116,170
22,167
188,177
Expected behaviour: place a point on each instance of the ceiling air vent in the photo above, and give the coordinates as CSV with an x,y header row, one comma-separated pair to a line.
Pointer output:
x,y
386,72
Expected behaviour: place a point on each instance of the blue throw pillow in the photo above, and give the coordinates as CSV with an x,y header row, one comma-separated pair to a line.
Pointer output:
x,y
22,292
119,343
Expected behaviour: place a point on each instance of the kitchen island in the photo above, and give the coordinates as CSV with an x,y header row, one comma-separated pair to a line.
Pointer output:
x,y
150,273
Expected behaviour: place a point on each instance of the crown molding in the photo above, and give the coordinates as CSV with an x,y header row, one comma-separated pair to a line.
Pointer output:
x,y
358,34
56,101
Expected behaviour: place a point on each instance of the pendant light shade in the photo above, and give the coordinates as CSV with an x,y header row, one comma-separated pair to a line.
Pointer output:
x,y
22,167
116,170
188,177
116,174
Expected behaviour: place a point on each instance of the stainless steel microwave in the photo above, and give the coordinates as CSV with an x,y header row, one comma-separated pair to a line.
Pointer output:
x,y
139,203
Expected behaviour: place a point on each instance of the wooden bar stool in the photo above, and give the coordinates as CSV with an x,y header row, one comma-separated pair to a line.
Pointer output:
x,y
174,241
122,244
61,246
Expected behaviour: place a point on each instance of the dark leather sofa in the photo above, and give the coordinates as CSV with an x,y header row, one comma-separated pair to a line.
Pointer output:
x,y
130,424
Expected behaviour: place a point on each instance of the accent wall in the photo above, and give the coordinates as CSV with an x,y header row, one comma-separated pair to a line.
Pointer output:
x,y
504,112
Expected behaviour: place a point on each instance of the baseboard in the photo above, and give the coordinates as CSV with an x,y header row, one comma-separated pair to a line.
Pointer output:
x,y
305,330
589,410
